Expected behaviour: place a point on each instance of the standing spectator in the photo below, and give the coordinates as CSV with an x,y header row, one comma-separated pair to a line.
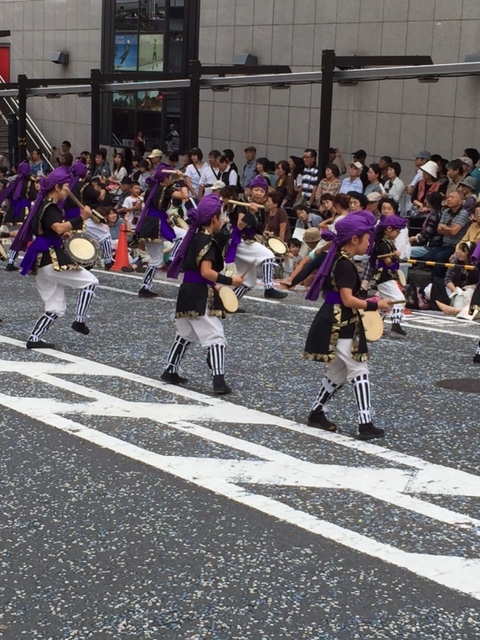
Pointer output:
x,y
58,158
210,174
353,182
38,165
285,184
173,140
310,177
228,175
383,163
249,172
296,169
230,156
193,172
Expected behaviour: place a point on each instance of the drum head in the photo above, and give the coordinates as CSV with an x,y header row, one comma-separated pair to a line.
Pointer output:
x,y
229,299
277,246
82,249
373,325
401,278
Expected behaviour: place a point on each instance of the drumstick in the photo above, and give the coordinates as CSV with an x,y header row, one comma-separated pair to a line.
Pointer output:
x,y
449,265
96,215
245,204
385,255
177,171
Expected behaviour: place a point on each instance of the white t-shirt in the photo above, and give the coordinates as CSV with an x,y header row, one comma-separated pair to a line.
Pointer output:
x,y
194,174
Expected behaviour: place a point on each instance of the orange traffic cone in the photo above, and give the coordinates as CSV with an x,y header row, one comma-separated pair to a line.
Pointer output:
x,y
122,262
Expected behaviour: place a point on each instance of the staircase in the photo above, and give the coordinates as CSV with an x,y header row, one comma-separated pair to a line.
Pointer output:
x,y
3,136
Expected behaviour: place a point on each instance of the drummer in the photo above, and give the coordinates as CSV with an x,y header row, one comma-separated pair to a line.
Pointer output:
x,y
244,248
199,309
46,258
337,335
386,269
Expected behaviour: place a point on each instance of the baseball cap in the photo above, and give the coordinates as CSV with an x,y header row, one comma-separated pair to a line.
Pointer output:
x,y
426,155
374,196
357,165
217,185
156,153
467,161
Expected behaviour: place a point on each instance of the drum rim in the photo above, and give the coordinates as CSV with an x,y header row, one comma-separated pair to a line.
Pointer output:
x,y
85,242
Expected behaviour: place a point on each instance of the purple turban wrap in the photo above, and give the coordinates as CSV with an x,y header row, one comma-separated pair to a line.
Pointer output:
x,y
396,222
209,207
475,257
79,170
13,191
354,224
24,236
158,176
260,182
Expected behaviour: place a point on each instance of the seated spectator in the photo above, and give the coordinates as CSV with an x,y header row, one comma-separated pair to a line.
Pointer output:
x,y
374,174
475,171
306,219
428,238
292,258
358,202
467,188
453,225
426,185
38,165
394,187
325,206
383,163
472,234
330,183
262,167
141,174
277,218
353,182
455,173
125,191
421,158
296,169
102,166
285,184
312,240
373,200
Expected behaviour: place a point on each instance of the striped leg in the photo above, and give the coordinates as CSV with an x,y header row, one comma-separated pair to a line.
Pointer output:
x,y
148,277
361,390
217,361
106,249
178,350
43,323
174,250
268,268
327,391
11,256
84,301
476,357
397,314
241,291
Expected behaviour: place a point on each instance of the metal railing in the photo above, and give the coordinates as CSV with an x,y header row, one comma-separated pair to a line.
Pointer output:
x,y
36,137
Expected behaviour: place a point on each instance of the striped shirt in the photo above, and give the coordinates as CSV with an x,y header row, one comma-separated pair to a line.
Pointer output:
x,y
309,181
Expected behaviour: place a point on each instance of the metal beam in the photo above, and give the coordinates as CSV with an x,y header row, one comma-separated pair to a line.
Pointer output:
x,y
245,70
357,62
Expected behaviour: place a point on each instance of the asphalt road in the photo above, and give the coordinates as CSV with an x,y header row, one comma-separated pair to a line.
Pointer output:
x,y
134,509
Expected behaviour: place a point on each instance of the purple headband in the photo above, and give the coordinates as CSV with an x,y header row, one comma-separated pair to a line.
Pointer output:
x,y
208,207
259,181
24,236
396,222
354,224
15,187
79,170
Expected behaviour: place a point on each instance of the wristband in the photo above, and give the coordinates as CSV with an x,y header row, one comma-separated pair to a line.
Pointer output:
x,y
311,255
77,223
221,279
372,305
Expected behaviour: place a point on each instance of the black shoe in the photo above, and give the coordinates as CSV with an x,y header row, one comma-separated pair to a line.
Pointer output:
x,y
11,267
274,294
239,310
369,432
108,266
81,327
220,386
173,378
146,293
476,358
319,420
40,344
398,329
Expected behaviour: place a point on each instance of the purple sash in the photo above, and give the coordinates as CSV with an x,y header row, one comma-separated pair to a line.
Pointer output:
x,y
232,247
39,245
69,214
333,297
393,267
195,277
17,209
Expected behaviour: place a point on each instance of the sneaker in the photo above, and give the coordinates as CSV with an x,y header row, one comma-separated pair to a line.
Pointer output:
x,y
476,358
319,420
398,329
369,432
81,327
274,294
172,378
11,267
146,293
240,310
220,387
108,266
40,344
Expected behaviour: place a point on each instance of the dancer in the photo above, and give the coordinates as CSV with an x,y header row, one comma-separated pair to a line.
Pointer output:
x,y
153,226
248,222
336,335
20,193
386,267
199,309
46,258
475,302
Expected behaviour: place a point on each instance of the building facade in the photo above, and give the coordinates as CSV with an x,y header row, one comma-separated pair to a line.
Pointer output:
x,y
393,117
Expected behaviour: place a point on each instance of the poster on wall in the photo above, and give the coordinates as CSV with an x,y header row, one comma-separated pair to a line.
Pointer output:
x,y
150,52
126,52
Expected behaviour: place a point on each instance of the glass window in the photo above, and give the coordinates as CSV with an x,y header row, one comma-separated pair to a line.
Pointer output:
x,y
126,52
126,15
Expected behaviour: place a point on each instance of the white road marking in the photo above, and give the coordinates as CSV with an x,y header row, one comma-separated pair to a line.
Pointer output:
x,y
391,485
